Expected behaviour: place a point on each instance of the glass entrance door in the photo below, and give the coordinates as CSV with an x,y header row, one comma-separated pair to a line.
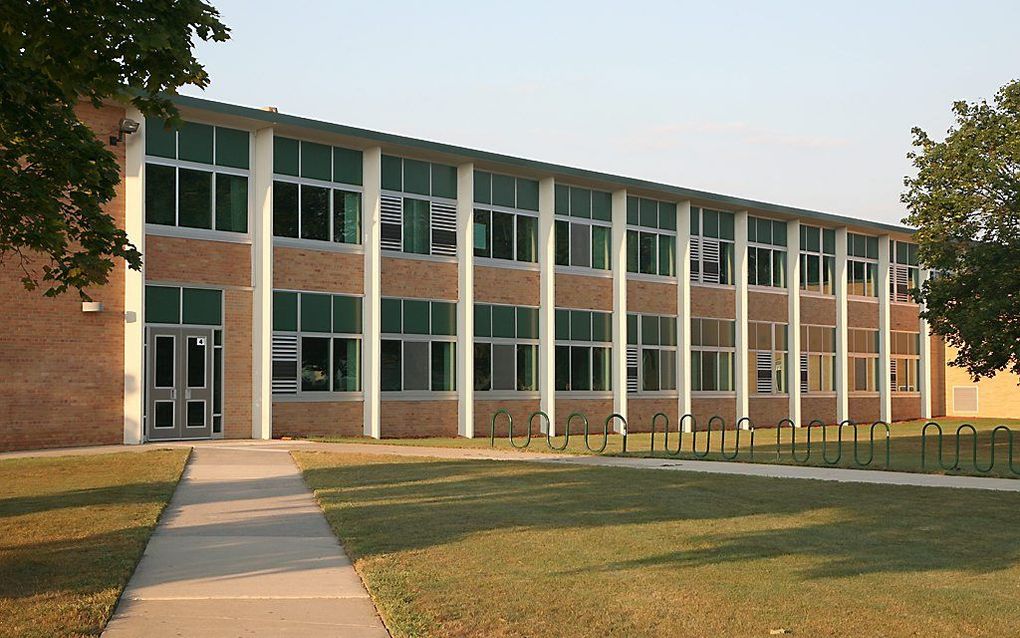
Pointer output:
x,y
179,375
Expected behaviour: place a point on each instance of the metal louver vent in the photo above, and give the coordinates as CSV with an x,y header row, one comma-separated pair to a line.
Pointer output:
x,y
763,363
965,399
444,229
695,259
392,218
803,373
632,369
285,364
710,261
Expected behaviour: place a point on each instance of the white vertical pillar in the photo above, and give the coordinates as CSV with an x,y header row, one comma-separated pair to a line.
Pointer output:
x,y
134,282
547,299
924,369
465,299
740,363
793,319
618,256
372,305
884,351
842,333
683,308
262,287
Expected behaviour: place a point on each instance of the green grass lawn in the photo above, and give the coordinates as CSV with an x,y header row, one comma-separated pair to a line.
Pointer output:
x,y
904,448
487,548
72,530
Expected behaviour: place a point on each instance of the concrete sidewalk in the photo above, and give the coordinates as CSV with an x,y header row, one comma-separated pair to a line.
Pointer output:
x,y
244,550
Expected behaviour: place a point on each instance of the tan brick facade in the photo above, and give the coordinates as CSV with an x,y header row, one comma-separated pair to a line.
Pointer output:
x,y
862,314
704,408
197,261
768,306
906,407
595,410
903,317
864,409
581,292
510,286
651,297
768,411
641,410
237,364
318,271
332,418
412,419
718,303
520,410
818,311
419,279
821,408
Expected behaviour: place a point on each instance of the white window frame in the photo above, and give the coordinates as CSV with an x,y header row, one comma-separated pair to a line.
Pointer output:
x,y
591,345
514,341
700,350
405,338
698,254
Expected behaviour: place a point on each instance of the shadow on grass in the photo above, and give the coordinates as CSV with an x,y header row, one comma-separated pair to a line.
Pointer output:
x,y
849,529
131,494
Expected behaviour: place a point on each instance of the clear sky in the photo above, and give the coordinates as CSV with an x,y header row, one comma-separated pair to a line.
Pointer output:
x,y
800,103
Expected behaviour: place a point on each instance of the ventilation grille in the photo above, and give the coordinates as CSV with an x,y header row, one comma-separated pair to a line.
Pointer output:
x,y
763,361
803,373
285,364
965,399
710,261
391,216
899,290
632,369
444,229
695,258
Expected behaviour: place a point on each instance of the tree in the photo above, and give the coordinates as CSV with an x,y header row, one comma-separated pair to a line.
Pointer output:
x,y
965,203
55,175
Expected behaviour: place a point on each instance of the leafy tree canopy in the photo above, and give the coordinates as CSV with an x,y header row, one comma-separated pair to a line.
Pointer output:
x,y
965,203
55,175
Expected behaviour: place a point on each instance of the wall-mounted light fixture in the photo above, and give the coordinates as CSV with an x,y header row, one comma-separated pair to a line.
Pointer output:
x,y
92,306
126,126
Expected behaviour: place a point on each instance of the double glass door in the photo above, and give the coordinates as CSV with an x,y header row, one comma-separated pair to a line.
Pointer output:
x,y
179,378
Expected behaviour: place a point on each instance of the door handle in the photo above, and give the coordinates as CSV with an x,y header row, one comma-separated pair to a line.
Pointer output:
x,y
187,393
173,393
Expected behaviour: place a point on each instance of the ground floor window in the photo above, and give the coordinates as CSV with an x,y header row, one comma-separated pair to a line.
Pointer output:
x,y
418,347
583,352
316,343
505,348
712,351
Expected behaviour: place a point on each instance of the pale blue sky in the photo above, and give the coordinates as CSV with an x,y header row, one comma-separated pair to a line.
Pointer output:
x,y
796,103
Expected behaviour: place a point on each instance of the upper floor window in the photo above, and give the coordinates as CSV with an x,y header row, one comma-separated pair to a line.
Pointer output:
x,y
506,217
817,259
766,252
711,246
316,343
196,176
862,265
767,346
582,227
316,191
419,207
904,274
583,350
651,353
712,352
506,348
651,237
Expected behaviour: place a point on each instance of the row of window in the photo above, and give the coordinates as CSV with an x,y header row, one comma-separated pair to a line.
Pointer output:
x,y
505,348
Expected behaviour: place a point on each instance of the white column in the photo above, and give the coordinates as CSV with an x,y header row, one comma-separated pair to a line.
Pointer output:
x,y
371,306
134,282
683,308
465,299
618,255
793,319
740,361
842,379
924,369
884,351
262,287
547,299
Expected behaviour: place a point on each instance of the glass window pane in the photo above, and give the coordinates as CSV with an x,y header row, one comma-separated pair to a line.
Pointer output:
x,y
527,194
649,369
601,206
483,366
417,365
165,356
667,370
503,321
483,187
346,364
527,238
444,318
580,245
562,232
444,181
231,203
416,177
502,235
562,361
416,226
196,198
483,320
316,310
580,368
314,212
390,366
159,140
562,324
648,214
632,251
527,323
601,330
483,233
314,364
601,379
649,330
648,253
346,314
580,202
392,173
527,368
285,209
600,248
346,217
764,267
667,255
160,194
667,331
503,191
315,161
390,315
201,306
285,310
562,200
667,216
696,375
580,325
416,317
504,377
444,366
195,143
162,304
285,156
347,166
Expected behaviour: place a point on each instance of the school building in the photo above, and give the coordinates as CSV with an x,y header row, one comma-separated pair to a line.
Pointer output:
x,y
309,278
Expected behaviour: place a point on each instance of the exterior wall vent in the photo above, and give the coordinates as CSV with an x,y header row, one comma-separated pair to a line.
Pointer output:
x,y
965,399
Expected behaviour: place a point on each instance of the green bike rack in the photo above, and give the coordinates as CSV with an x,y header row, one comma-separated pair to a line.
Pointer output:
x,y
839,440
665,430
708,441
722,440
680,434
991,451
871,444
492,425
924,446
605,436
510,433
609,420
548,427
793,438
750,428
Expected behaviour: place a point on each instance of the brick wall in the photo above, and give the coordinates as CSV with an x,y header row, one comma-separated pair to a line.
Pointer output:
x,y
595,410
998,396
705,408
767,306
317,270
862,314
336,418
651,297
768,411
510,286
418,278
906,407
719,303
520,410
237,365
819,311
412,419
864,409
62,370
580,291
903,317
641,411
938,376
821,408
197,261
